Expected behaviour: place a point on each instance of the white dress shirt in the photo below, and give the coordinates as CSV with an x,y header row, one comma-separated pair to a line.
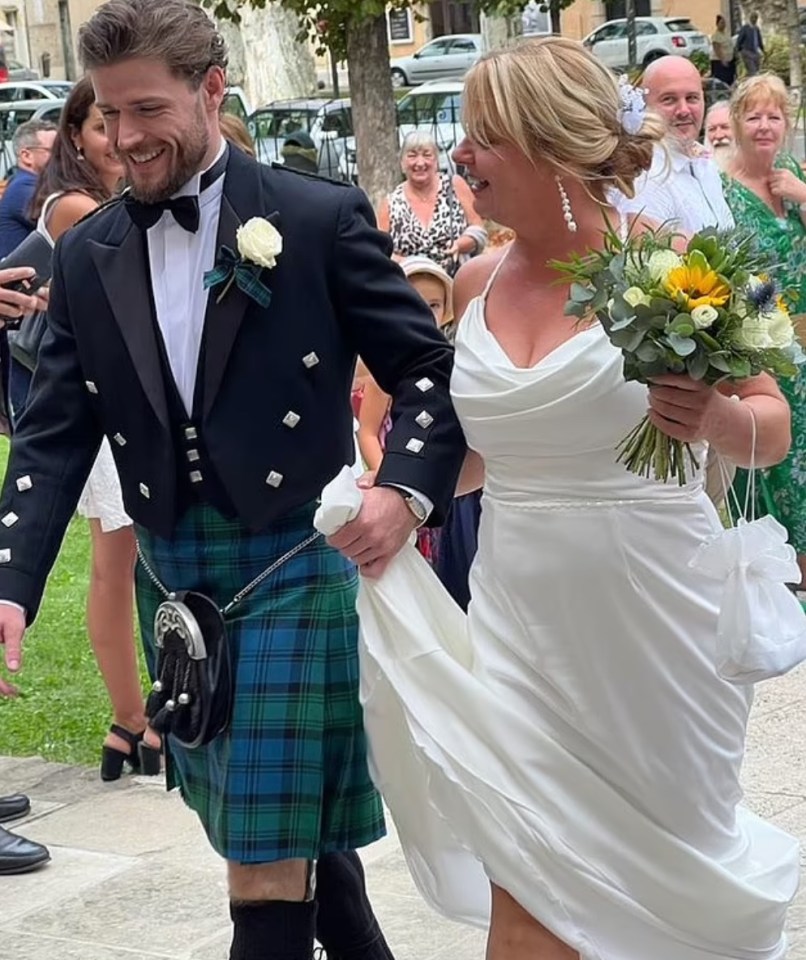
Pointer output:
x,y
178,260
684,191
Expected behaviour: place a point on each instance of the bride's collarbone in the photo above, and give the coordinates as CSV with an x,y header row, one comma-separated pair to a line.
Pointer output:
x,y
530,327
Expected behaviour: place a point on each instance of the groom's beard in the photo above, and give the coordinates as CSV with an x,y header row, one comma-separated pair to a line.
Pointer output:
x,y
186,155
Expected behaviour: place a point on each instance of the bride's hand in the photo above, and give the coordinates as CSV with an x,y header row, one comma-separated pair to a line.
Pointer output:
x,y
684,409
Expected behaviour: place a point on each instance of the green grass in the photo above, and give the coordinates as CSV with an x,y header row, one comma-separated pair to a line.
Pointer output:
x,y
62,712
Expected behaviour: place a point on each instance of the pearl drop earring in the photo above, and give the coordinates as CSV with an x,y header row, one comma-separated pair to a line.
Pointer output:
x,y
567,214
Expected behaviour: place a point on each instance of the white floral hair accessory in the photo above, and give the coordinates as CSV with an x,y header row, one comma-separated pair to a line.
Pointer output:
x,y
633,105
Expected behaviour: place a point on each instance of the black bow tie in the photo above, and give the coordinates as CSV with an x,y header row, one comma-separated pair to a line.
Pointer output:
x,y
185,209
145,215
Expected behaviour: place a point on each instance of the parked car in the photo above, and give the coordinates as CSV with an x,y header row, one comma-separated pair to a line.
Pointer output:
x,y
654,37
329,123
236,103
12,114
34,90
18,71
436,108
446,58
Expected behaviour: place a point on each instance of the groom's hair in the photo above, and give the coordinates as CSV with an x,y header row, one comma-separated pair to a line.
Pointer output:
x,y
176,32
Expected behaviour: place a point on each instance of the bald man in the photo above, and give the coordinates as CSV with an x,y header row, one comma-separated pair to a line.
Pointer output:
x,y
683,188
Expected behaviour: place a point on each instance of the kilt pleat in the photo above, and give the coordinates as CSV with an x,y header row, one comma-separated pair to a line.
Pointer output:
x,y
289,778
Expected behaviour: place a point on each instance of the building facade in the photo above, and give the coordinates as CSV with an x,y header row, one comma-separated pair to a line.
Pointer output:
x,y
585,15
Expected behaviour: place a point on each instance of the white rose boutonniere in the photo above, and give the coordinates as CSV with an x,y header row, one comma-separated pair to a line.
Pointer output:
x,y
259,244
259,241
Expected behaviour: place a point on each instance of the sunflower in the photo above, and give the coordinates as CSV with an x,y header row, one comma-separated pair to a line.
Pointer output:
x,y
697,286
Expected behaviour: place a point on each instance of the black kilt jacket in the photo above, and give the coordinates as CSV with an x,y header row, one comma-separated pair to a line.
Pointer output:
x,y
275,421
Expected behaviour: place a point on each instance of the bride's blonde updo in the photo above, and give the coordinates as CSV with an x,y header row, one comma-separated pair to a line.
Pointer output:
x,y
557,103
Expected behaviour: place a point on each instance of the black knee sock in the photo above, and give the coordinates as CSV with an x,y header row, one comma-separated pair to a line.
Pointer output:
x,y
345,923
272,930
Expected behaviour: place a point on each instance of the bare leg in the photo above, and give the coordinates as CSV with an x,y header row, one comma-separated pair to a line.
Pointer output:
x,y
110,624
516,935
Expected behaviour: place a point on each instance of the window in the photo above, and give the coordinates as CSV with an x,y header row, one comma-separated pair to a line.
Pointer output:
x,y
681,25
436,49
280,123
6,94
340,122
610,31
536,18
645,29
463,46
33,93
398,25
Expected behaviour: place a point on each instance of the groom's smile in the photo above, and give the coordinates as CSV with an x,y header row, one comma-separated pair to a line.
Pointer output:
x,y
163,127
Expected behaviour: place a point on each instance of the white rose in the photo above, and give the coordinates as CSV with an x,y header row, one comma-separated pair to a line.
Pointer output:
x,y
755,333
781,331
259,242
704,316
635,296
661,264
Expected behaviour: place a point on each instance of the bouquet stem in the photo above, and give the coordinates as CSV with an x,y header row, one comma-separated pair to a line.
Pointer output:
x,y
649,452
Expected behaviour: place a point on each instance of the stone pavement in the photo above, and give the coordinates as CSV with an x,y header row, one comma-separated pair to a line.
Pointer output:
x,y
132,877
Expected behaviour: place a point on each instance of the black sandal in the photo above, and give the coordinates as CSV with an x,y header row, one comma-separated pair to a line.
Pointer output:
x,y
141,758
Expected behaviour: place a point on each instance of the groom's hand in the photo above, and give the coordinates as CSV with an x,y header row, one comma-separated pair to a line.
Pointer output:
x,y
377,533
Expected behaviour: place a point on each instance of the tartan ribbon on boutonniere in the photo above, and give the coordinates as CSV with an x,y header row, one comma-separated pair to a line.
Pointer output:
x,y
259,244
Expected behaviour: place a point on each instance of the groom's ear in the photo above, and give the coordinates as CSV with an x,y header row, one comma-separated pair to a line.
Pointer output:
x,y
214,86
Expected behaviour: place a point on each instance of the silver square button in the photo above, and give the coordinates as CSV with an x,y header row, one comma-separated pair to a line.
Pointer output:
x,y
196,476
193,455
144,491
5,555
310,359
424,419
274,479
191,433
90,384
10,519
119,439
291,419
24,483
415,445
424,384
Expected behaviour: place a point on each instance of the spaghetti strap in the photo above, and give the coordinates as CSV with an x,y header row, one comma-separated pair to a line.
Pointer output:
x,y
493,275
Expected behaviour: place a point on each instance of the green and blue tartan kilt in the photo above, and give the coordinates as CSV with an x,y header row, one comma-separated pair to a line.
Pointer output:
x,y
289,778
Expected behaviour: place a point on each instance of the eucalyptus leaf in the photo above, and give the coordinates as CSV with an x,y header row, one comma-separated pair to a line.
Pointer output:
x,y
648,352
697,365
682,346
582,294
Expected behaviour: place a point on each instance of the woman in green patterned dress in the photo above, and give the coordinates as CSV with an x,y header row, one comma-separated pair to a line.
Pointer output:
x,y
766,191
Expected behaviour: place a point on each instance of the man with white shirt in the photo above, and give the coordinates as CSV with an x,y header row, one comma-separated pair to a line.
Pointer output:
x,y
682,187
219,364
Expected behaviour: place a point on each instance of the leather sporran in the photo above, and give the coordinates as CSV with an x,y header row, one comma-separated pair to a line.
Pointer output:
x,y
192,696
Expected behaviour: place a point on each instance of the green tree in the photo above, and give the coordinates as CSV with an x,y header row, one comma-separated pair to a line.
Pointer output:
x,y
355,31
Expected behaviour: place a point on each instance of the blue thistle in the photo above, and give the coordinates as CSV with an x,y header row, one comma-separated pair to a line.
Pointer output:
x,y
762,295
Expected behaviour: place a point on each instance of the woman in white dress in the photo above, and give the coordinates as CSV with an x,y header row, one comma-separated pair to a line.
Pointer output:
x,y
587,762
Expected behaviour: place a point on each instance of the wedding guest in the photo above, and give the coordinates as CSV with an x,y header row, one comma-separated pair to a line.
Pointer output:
x,y
718,133
723,62
31,143
84,172
750,45
235,131
682,187
228,408
431,214
573,745
766,191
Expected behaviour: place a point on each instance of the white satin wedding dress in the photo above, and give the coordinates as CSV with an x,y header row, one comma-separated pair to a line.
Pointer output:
x,y
572,741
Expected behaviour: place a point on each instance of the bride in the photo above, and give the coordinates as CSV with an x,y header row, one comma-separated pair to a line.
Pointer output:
x,y
586,764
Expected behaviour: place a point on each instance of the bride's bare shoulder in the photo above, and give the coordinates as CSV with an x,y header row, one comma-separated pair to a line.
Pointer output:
x,y
473,276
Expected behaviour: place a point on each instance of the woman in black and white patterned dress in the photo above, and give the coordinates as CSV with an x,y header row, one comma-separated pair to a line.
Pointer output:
x,y
431,213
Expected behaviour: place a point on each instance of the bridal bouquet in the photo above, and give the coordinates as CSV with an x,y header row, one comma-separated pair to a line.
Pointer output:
x,y
711,312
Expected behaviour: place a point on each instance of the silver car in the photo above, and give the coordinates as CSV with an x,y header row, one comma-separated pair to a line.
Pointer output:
x,y
446,58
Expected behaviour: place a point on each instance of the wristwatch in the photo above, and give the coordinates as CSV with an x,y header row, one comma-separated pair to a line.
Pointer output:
x,y
416,506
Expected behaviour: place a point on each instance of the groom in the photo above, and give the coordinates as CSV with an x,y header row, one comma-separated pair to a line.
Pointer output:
x,y
228,410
